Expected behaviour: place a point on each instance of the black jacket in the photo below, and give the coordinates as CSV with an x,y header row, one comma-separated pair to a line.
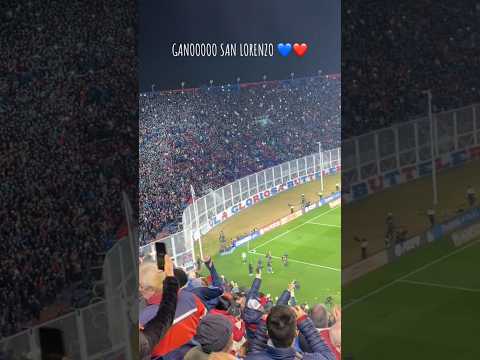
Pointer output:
x,y
156,328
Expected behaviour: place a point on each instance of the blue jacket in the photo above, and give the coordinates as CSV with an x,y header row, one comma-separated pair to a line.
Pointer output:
x,y
260,350
209,295
250,315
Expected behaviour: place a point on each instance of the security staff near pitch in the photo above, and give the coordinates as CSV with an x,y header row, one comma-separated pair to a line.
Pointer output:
x,y
471,196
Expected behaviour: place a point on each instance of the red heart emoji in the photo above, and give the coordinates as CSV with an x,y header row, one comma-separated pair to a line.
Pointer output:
x,y
300,49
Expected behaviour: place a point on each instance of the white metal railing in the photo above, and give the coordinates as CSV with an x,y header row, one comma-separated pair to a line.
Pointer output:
x,y
197,217
407,144
102,330
98,331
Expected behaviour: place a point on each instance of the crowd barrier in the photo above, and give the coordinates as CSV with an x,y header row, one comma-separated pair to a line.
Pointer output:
x,y
99,331
103,330
463,228
333,200
401,153
218,205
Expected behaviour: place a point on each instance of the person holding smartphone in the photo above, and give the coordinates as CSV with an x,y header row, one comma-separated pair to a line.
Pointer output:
x,y
153,331
188,312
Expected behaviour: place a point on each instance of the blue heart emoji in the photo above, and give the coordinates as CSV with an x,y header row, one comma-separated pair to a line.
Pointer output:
x,y
284,49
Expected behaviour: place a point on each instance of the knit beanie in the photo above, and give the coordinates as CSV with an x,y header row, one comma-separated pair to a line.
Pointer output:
x,y
213,333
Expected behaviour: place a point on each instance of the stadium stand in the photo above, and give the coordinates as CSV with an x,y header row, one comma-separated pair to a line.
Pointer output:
x,y
399,49
209,137
237,319
57,94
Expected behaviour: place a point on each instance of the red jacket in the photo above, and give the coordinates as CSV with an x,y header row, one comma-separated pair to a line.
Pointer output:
x,y
325,335
188,314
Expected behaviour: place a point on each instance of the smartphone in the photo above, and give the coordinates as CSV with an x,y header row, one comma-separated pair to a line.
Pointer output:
x,y
161,251
51,343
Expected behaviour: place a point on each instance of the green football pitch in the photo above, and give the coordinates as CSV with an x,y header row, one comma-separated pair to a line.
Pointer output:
x,y
430,296
312,243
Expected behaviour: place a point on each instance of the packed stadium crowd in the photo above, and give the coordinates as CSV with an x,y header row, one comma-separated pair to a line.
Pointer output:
x,y
186,316
209,137
66,145
405,48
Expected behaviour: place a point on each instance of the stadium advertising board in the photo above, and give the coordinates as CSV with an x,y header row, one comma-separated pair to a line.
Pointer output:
x,y
438,232
270,227
371,185
461,221
397,250
268,193
463,236
363,267
247,238
332,199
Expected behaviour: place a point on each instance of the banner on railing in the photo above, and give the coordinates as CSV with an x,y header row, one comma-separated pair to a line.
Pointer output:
x,y
268,193
463,236
334,198
359,190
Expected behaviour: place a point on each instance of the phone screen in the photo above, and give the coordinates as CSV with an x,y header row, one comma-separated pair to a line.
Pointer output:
x,y
161,250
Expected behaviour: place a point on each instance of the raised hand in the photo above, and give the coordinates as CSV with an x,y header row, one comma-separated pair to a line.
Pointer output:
x,y
208,261
298,312
168,266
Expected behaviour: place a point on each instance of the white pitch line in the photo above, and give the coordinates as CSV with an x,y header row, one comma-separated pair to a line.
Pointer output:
x,y
294,228
393,282
320,224
439,285
298,261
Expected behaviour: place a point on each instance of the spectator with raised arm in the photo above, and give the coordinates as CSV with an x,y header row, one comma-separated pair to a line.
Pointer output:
x,y
209,294
274,338
154,330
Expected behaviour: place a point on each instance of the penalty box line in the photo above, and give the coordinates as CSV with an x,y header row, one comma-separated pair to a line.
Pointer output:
x,y
322,224
442,286
406,276
297,261
294,228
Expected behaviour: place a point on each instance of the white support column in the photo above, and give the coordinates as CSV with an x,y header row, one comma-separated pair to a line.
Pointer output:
x,y
320,153
214,194
357,158
455,130
122,272
82,342
126,328
35,351
197,226
397,145
433,147
240,189
377,152
193,245
475,129
314,164
417,143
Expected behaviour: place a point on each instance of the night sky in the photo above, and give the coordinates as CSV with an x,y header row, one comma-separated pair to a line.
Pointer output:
x,y
163,22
